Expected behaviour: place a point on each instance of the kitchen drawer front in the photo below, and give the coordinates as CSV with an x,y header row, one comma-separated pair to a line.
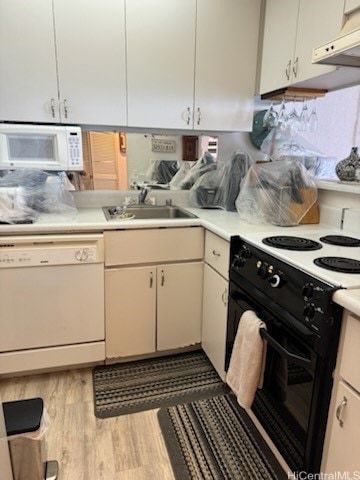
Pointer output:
x,y
349,368
217,253
154,245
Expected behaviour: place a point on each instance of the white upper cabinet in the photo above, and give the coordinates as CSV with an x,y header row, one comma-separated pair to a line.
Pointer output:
x,y
63,65
225,69
191,64
160,62
292,29
90,48
28,81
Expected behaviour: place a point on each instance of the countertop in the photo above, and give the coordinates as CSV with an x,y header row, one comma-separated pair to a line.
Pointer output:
x,y
224,224
92,219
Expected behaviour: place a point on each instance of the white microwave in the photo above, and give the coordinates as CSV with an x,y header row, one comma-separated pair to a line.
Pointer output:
x,y
45,147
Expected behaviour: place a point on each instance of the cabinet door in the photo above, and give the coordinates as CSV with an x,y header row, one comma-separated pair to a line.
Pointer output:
x,y
278,44
343,454
226,57
130,309
90,42
160,62
314,30
179,305
28,83
213,337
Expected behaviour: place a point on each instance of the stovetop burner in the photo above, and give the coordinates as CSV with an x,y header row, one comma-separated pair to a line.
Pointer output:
x,y
338,264
292,243
340,240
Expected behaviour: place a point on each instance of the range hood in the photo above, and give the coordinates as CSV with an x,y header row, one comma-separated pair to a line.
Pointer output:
x,y
344,50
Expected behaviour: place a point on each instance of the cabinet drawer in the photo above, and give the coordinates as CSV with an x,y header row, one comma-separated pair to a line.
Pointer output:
x,y
153,245
349,368
217,253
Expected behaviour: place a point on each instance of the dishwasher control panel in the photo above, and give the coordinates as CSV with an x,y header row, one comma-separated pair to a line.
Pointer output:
x,y
31,257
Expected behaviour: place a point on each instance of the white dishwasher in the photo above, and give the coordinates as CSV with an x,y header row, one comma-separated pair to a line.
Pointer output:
x,y
51,301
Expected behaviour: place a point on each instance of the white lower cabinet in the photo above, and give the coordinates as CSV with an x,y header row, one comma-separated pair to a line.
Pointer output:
x,y
130,311
214,318
152,308
343,455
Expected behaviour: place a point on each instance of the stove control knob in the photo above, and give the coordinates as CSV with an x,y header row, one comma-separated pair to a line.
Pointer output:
x,y
276,280
309,311
245,253
238,261
262,269
307,291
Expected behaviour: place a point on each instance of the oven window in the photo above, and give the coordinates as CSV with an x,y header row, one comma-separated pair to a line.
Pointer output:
x,y
283,405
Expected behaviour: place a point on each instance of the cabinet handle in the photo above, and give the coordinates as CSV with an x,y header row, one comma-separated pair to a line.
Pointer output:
x,y
188,116
66,109
214,252
162,278
52,106
151,279
224,297
295,66
288,70
339,411
198,116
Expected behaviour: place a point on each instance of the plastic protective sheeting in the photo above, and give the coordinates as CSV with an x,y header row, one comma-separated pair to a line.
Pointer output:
x,y
25,194
179,176
280,193
205,164
162,171
220,188
279,146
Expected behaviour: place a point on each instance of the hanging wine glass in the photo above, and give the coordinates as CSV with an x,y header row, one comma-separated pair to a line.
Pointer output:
x,y
270,118
293,120
313,119
282,117
304,117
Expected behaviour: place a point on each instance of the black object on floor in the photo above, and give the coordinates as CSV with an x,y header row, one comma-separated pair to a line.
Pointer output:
x,y
215,439
161,382
23,416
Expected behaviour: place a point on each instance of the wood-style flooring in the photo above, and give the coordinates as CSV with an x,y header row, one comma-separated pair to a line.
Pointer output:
x,y
128,447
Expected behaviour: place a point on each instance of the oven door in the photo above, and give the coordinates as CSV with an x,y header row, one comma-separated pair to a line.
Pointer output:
x,y
284,405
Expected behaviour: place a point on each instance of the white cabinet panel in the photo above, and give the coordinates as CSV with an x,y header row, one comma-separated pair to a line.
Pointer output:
x,y
278,44
90,45
217,253
160,62
179,305
291,30
343,455
226,53
28,82
130,311
214,319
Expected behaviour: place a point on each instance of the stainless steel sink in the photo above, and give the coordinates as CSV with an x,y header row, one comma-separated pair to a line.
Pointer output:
x,y
146,212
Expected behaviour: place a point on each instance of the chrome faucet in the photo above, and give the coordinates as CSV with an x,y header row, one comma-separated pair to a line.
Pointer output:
x,y
143,194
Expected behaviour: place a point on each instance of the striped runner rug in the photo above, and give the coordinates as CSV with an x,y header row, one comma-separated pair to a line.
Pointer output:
x,y
214,439
146,384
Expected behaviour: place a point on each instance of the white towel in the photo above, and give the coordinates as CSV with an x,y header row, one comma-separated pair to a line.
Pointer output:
x,y
247,362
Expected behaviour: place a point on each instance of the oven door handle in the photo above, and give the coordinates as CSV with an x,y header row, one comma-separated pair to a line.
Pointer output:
x,y
298,359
